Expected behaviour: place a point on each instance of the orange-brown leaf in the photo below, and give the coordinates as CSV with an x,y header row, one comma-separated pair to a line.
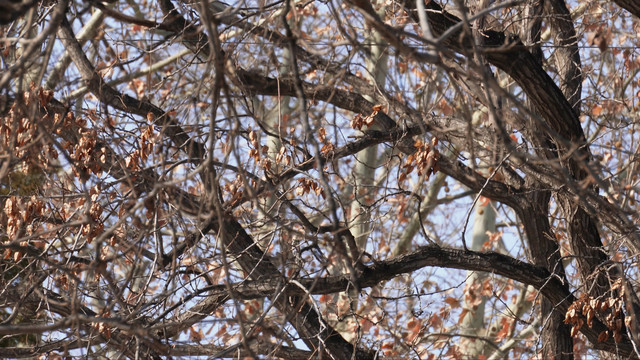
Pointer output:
x,y
453,302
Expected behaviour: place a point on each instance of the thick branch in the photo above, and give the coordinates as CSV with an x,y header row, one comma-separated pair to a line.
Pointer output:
x,y
567,55
632,6
551,286
309,324
12,10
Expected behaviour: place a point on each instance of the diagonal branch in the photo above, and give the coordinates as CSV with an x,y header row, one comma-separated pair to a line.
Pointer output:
x,y
123,102
632,6
34,46
300,313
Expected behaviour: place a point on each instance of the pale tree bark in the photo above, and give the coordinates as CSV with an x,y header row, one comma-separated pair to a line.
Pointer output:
x,y
472,325
366,160
274,121
363,175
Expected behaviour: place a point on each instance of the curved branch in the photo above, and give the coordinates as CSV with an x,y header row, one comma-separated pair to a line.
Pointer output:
x,y
551,287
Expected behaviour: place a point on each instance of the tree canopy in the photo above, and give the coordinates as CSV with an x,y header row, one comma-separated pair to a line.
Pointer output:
x,y
320,179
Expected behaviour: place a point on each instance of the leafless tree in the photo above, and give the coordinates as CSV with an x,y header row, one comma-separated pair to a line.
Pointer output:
x,y
319,179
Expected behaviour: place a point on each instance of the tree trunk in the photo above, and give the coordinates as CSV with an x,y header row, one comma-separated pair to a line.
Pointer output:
x,y
556,335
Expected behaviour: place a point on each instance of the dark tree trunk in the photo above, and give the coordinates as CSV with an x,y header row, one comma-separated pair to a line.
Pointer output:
x,y
556,337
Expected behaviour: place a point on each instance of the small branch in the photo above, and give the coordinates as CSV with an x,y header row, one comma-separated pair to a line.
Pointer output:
x,y
123,102
35,45
148,70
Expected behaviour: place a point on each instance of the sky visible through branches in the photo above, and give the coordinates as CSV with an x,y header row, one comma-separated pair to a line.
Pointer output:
x,y
319,179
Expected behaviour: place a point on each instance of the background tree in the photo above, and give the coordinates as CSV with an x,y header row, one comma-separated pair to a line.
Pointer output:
x,y
300,179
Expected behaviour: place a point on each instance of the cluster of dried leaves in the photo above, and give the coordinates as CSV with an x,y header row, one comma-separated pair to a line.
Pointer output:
x,y
425,160
608,310
358,121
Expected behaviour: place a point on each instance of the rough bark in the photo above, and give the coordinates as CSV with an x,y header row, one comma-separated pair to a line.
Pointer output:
x,y
567,55
556,337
